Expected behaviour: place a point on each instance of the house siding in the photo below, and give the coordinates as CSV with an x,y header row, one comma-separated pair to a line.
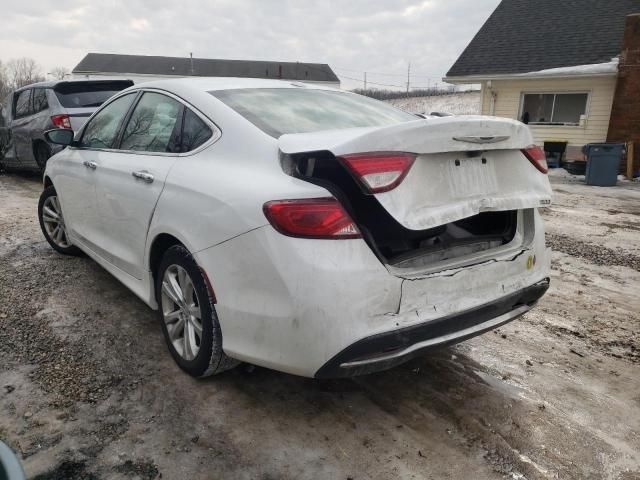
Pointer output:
x,y
601,89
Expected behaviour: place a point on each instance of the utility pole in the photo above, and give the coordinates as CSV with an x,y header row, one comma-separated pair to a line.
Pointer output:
x,y
408,77
365,82
191,61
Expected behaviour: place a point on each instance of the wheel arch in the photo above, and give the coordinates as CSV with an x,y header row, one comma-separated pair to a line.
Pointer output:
x,y
160,244
47,182
39,141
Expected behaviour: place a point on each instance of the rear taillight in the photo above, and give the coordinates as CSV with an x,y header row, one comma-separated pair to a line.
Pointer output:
x,y
537,157
378,172
61,121
311,218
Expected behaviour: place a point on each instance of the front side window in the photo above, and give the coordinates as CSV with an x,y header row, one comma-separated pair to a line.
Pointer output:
x,y
152,126
22,106
553,108
278,111
102,129
40,100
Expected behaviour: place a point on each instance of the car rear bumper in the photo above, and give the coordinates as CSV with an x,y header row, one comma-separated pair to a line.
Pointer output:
x,y
308,306
386,350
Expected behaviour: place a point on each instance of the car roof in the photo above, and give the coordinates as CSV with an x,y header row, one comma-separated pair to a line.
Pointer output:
x,y
208,84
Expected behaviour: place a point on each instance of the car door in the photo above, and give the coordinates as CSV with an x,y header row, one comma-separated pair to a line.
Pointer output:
x,y
129,183
77,169
22,111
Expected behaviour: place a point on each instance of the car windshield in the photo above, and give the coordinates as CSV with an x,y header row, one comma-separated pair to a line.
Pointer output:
x,y
87,95
277,111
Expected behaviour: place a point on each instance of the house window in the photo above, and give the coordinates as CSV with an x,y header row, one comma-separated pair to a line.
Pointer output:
x,y
553,108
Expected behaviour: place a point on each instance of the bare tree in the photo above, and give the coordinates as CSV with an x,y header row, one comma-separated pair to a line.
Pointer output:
x,y
23,71
59,72
5,86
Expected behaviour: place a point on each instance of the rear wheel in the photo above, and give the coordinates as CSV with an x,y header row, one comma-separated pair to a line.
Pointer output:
x,y
52,222
188,316
42,153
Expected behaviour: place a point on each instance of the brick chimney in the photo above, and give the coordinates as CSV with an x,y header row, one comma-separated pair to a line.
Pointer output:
x,y
624,125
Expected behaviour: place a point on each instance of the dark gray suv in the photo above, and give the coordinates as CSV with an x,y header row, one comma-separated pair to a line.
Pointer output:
x,y
36,108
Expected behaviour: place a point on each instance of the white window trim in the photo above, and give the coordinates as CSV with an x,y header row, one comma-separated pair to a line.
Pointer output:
x,y
555,92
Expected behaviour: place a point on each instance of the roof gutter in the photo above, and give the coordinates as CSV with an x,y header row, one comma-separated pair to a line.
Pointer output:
x,y
521,76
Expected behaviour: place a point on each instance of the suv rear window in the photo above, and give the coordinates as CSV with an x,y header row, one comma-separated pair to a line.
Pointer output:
x,y
88,94
277,111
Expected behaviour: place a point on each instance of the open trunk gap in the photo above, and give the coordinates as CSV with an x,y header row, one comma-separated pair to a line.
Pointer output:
x,y
394,244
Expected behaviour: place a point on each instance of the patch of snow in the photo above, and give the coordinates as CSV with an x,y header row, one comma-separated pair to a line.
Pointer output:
x,y
462,103
591,69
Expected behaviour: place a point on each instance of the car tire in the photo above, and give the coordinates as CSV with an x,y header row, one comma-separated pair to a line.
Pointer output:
x,y
52,223
182,293
41,152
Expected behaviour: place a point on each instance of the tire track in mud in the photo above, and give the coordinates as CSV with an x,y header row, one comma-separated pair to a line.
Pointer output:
x,y
592,253
490,413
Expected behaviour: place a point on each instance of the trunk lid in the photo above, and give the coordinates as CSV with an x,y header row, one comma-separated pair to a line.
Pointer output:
x,y
464,166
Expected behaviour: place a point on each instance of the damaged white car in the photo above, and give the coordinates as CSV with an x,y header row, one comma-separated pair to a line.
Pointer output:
x,y
299,228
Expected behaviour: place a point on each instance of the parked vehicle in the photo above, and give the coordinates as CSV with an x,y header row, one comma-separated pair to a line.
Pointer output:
x,y
300,228
10,468
4,133
42,106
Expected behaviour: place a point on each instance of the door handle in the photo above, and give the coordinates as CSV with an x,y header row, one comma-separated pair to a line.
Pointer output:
x,y
91,165
143,175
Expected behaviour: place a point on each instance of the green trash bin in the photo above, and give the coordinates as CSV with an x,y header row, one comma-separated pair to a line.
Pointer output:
x,y
603,161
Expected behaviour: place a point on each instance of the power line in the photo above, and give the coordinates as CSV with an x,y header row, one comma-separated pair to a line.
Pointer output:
x,y
388,74
372,83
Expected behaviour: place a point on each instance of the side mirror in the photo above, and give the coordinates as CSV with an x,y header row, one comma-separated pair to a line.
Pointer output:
x,y
9,465
60,136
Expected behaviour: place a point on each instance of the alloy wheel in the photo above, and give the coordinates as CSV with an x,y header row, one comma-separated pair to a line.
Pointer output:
x,y
181,312
54,222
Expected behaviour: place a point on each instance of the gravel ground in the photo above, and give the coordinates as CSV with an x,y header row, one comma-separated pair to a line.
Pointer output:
x,y
88,390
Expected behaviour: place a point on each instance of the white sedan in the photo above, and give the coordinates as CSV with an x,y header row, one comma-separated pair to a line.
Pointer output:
x,y
301,228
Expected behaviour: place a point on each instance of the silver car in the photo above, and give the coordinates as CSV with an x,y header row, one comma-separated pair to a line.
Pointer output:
x,y
36,108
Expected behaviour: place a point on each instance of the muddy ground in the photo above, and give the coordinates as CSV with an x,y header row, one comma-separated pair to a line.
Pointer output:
x,y
88,390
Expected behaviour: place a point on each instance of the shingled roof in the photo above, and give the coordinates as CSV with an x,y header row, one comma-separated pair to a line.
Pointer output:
x,y
202,67
530,35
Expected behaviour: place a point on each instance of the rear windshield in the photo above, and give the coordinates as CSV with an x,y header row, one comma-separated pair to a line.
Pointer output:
x,y
86,95
277,111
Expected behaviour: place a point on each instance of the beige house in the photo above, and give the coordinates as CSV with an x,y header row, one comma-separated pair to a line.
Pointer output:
x,y
551,64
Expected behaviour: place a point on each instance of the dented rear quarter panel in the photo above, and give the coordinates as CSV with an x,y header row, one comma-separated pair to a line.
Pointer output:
x,y
292,304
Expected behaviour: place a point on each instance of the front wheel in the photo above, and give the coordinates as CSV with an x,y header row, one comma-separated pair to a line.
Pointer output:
x,y
188,316
52,222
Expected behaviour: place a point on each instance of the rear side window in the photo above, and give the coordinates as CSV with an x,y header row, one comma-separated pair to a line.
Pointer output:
x,y
153,126
88,94
194,131
22,107
102,129
277,111
40,100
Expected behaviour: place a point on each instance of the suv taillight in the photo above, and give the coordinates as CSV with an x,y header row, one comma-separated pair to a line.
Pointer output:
x,y
537,157
311,218
378,172
61,121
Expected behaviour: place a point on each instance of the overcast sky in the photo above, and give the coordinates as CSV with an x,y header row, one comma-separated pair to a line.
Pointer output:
x,y
353,36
